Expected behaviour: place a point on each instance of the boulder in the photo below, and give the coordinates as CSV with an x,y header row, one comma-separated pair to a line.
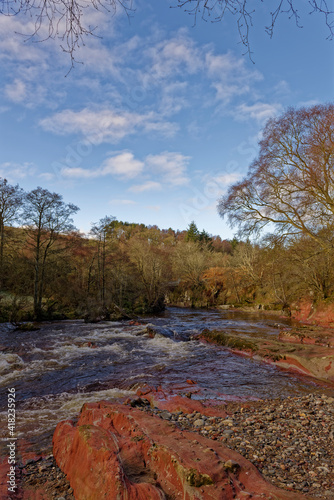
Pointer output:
x,y
119,452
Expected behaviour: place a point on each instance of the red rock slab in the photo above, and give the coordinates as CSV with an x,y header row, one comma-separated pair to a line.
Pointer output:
x,y
294,339
119,452
309,313
176,403
173,402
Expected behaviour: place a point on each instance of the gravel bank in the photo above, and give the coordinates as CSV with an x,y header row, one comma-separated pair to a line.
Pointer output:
x,y
290,441
45,472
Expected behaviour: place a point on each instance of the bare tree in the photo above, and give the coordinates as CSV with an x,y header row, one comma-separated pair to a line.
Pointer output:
x,y
100,230
243,10
10,202
66,19
290,185
46,218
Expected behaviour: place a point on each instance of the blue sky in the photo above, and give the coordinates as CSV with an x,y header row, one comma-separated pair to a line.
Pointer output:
x,y
159,116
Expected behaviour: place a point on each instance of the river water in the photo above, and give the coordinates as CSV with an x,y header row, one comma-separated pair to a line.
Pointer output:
x,y
64,364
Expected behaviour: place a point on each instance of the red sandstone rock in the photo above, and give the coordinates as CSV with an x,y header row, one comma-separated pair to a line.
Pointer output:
x,y
190,382
175,403
321,314
171,401
118,452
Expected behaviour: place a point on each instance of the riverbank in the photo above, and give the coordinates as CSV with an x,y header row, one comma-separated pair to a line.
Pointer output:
x,y
99,362
308,350
289,442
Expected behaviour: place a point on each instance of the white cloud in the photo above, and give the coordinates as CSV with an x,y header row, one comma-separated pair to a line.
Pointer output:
x,y
106,125
230,75
147,186
12,43
173,98
282,88
154,208
47,176
311,102
122,202
80,173
174,55
13,171
224,180
26,93
259,111
16,91
27,78
123,165
172,166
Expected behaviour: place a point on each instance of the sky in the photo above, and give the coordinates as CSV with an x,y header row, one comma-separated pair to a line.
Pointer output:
x,y
159,115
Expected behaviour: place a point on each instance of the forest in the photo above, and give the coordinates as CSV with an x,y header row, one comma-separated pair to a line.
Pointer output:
x,y
283,252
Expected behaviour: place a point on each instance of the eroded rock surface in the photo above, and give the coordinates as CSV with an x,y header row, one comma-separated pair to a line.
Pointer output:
x,y
117,451
306,354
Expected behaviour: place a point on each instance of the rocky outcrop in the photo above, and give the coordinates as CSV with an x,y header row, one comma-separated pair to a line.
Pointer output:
x,y
321,313
314,358
171,400
119,452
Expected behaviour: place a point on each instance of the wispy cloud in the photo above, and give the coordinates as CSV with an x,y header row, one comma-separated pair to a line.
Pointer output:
x,y
16,91
230,75
174,55
154,208
259,111
225,180
80,173
12,43
106,125
14,171
122,202
123,165
171,166
146,186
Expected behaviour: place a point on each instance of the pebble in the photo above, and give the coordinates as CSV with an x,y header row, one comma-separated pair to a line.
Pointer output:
x,y
199,422
45,472
290,441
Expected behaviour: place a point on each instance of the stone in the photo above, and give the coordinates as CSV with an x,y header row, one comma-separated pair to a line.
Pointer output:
x,y
116,451
231,465
199,422
165,415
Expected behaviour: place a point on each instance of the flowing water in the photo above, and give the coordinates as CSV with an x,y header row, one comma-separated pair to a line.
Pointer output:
x,y
64,364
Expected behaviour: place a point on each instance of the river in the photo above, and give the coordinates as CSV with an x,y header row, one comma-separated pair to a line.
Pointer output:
x,y
64,364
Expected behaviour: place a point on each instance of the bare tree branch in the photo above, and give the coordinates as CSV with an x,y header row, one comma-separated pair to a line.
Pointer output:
x,y
216,10
290,185
65,20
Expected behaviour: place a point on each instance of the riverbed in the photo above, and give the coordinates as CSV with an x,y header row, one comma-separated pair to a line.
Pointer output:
x,y
59,367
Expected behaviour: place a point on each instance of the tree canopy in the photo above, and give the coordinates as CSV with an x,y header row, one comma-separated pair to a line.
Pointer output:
x,y
46,217
290,185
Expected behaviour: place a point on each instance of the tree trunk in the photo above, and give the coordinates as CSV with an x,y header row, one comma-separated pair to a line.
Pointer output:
x,y
2,240
37,308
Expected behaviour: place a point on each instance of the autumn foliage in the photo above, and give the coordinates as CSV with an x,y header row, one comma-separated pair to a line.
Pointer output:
x,y
121,269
